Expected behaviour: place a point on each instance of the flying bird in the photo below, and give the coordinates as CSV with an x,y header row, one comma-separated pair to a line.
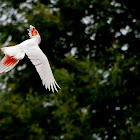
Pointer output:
x,y
30,47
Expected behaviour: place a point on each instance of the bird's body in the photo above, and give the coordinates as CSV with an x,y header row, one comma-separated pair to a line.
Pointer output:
x,y
29,47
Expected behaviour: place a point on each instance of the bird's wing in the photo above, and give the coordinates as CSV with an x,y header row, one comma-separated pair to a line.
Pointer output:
x,y
11,58
7,63
39,59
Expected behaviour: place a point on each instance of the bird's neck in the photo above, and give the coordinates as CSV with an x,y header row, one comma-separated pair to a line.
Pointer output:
x,y
37,39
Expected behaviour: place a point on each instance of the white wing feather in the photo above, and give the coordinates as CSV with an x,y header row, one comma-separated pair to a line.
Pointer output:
x,y
4,68
8,63
39,59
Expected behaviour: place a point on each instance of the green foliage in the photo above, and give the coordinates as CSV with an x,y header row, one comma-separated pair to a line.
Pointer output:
x,y
93,49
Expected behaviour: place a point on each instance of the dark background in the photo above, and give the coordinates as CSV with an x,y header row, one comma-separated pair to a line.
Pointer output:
x,y
94,50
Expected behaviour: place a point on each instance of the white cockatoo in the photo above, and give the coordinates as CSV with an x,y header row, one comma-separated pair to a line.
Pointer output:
x,y
30,47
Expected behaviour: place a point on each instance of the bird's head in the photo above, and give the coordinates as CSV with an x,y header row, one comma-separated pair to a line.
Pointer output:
x,y
33,33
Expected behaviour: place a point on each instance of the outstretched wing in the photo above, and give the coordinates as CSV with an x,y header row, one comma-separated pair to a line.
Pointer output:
x,y
11,58
43,68
7,63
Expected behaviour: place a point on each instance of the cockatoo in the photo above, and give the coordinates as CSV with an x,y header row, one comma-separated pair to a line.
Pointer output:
x,y
30,47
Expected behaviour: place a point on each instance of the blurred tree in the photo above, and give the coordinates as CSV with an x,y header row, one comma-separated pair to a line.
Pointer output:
x,y
93,48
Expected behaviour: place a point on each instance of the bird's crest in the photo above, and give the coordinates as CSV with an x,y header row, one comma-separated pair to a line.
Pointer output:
x,y
32,31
